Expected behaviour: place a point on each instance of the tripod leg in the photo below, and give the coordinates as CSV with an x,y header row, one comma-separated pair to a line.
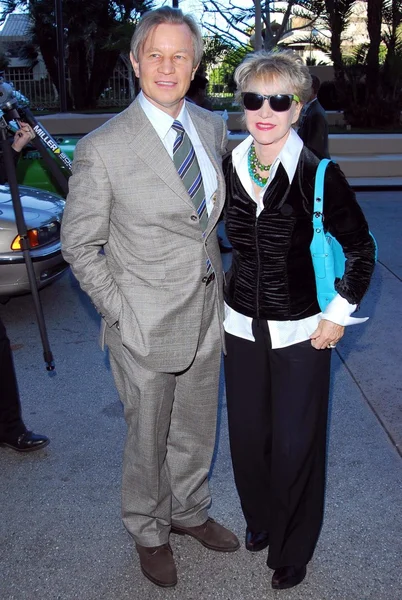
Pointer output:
x,y
22,231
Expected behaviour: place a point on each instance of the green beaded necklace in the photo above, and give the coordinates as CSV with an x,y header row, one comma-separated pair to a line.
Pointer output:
x,y
253,165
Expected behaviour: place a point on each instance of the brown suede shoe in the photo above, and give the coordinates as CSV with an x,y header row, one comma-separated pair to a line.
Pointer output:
x,y
211,535
157,564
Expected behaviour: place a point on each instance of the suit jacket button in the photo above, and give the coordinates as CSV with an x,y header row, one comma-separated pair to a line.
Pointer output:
x,y
194,218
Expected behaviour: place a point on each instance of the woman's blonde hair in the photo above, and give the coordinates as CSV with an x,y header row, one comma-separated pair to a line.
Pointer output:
x,y
268,66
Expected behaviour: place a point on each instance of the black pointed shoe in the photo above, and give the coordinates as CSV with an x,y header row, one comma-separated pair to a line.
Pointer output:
x,y
26,442
256,541
287,577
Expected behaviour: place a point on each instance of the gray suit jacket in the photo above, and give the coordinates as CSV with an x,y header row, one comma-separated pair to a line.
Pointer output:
x,y
131,238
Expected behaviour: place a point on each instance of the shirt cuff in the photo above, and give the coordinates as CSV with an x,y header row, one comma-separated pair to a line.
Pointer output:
x,y
339,311
237,324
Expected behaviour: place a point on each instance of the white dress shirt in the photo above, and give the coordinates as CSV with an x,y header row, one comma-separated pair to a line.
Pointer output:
x,y
283,333
162,123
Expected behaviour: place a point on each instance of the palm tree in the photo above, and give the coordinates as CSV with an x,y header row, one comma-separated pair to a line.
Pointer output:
x,y
374,21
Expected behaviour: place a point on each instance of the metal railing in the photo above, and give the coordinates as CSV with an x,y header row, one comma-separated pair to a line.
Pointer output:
x,y
42,94
37,86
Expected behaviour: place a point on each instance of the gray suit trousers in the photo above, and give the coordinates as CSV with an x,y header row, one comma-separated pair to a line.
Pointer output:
x,y
171,420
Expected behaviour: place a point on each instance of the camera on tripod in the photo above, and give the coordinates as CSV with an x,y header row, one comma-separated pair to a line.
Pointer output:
x,y
10,100
15,107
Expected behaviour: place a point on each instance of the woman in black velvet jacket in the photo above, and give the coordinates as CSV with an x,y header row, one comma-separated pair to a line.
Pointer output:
x,y
278,341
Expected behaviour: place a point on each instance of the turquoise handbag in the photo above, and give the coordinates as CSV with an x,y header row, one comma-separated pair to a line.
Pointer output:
x,y
326,252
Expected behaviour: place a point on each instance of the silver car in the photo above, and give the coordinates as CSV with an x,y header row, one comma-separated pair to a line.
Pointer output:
x,y
43,212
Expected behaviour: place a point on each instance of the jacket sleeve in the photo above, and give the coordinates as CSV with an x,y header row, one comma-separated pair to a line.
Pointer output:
x,y
344,219
85,230
3,174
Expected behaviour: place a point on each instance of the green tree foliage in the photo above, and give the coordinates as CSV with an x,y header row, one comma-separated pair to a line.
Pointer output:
x,y
95,33
368,81
337,16
224,72
216,50
373,77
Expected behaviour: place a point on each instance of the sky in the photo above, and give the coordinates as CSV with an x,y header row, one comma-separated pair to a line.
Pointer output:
x,y
195,7
192,6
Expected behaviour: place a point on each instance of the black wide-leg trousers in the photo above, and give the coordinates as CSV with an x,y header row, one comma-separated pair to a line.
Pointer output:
x,y
277,409
11,424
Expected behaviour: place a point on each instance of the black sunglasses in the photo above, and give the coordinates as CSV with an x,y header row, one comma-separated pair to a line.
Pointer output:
x,y
277,102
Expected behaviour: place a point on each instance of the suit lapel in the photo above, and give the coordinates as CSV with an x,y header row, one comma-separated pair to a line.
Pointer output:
x,y
147,145
206,133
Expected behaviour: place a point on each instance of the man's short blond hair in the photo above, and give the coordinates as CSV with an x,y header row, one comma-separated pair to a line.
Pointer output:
x,y
166,15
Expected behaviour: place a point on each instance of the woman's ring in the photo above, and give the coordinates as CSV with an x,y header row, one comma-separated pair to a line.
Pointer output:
x,y
331,346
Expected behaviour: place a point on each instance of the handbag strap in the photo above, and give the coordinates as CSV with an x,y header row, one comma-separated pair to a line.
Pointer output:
x,y
318,246
318,210
318,249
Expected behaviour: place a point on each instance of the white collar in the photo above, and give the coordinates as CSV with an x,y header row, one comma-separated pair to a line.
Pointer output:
x,y
161,121
288,156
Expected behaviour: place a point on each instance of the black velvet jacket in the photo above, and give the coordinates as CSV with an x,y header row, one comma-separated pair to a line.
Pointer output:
x,y
272,275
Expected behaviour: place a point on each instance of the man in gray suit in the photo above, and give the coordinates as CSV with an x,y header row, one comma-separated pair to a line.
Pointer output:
x,y
313,128
146,252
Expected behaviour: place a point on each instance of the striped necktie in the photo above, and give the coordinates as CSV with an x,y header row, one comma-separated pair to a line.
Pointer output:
x,y
188,168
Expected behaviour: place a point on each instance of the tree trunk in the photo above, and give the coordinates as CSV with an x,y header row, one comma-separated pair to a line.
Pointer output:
x,y
103,65
258,26
77,65
336,26
374,9
47,51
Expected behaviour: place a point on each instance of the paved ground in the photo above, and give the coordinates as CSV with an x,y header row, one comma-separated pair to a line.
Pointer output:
x,y
61,537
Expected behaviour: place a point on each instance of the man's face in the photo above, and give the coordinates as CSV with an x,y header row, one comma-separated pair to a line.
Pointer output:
x,y
165,66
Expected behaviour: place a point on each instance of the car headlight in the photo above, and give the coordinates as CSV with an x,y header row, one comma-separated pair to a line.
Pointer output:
x,y
39,237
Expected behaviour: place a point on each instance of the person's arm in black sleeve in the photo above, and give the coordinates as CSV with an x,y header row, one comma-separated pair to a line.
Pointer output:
x,y
22,137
